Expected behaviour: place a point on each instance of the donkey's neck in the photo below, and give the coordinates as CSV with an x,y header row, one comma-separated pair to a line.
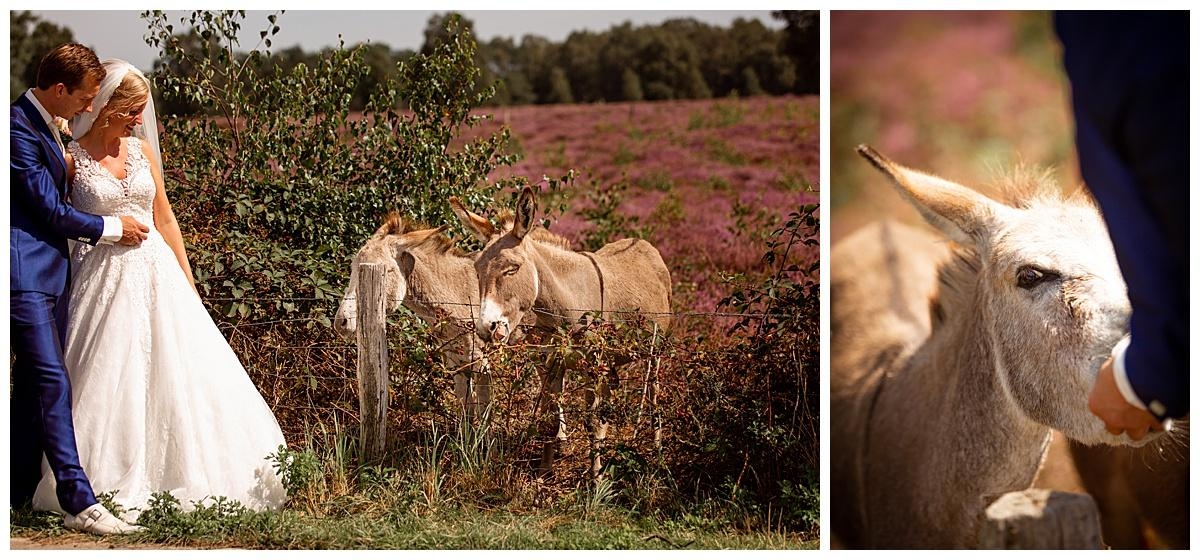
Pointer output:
x,y
569,284
981,414
960,355
977,442
440,285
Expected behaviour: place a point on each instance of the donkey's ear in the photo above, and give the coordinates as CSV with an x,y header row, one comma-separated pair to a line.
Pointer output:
x,y
526,207
961,213
476,224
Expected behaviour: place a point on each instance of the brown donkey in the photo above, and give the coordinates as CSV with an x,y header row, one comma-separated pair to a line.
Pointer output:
x,y
529,276
951,361
428,275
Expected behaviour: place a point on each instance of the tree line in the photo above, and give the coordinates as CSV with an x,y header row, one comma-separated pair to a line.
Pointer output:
x,y
677,59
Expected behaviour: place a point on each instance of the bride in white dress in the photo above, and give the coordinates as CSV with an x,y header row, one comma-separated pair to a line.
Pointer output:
x,y
160,401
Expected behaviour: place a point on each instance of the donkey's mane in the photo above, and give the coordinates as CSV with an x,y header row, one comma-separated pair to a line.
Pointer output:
x,y
544,235
442,243
506,220
394,224
1027,186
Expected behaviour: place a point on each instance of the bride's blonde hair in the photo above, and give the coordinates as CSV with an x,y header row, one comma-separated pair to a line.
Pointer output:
x,y
131,94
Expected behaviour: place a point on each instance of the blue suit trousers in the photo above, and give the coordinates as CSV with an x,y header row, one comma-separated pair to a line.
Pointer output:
x,y
40,412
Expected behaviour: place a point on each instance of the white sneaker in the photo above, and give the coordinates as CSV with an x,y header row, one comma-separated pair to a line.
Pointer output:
x,y
97,520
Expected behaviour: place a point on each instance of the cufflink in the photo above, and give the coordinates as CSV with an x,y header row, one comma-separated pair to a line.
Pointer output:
x,y
83,239
1158,409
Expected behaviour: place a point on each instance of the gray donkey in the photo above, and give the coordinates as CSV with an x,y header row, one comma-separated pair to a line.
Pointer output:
x,y
529,276
429,275
951,362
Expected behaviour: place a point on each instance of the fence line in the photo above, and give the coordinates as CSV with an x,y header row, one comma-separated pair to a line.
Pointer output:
x,y
475,306
272,322
311,377
331,395
646,313
248,298
369,376
319,408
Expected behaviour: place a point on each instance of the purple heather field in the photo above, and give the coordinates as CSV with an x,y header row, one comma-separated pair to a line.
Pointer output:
x,y
685,164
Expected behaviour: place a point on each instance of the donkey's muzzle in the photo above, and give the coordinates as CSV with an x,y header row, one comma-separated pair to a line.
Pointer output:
x,y
497,331
343,326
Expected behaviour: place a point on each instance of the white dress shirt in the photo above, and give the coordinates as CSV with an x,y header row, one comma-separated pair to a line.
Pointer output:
x,y
1122,379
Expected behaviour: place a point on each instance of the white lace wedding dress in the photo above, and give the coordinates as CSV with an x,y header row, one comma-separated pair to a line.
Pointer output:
x,y
160,401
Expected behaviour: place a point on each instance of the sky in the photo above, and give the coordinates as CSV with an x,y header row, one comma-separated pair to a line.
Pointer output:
x,y
119,33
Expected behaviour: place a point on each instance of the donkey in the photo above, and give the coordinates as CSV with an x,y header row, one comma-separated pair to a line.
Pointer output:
x,y
529,276
951,362
426,273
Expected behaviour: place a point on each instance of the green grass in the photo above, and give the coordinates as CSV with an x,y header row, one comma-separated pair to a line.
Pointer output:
x,y
719,115
655,179
624,155
456,490
721,151
458,528
795,182
556,157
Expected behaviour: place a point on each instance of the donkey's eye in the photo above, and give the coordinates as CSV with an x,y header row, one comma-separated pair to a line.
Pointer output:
x,y
511,270
1029,277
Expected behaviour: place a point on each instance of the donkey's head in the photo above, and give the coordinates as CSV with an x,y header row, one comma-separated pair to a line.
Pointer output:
x,y
1048,291
387,247
508,278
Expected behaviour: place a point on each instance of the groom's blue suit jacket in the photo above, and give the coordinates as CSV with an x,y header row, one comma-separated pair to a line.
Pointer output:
x,y
42,221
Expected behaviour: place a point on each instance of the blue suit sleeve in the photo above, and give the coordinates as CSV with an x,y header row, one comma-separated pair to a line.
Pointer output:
x,y
1130,95
34,190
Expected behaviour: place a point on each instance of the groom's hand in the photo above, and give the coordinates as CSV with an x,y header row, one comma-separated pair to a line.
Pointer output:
x,y
132,231
1106,402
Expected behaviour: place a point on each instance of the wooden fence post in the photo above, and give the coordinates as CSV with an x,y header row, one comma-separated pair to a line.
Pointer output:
x,y
372,360
655,415
1039,518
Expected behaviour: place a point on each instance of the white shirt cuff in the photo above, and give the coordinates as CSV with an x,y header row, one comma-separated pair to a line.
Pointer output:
x,y
1121,377
112,229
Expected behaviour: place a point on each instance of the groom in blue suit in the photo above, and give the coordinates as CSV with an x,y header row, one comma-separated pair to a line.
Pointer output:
x,y
68,80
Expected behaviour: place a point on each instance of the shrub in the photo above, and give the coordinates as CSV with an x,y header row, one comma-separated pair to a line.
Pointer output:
x,y
282,183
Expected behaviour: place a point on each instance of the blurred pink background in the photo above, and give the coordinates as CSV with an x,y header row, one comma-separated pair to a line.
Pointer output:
x,y
963,95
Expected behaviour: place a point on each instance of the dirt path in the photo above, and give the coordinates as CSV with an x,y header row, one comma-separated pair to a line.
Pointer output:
x,y
81,542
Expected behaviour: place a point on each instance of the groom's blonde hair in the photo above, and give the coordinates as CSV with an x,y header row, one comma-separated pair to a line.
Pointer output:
x,y
68,64
130,94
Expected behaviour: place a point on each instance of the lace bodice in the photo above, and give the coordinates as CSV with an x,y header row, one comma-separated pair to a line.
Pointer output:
x,y
98,191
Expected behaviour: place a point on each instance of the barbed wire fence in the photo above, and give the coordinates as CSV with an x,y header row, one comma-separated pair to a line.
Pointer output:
x,y
312,386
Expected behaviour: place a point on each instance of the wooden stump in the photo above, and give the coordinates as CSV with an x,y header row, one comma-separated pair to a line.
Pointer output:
x,y
372,360
1038,518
